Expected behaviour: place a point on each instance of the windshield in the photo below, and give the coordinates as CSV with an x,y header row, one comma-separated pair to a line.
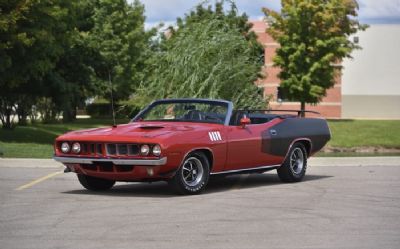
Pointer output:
x,y
185,111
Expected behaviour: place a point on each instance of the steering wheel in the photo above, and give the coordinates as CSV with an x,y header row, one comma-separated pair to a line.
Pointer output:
x,y
194,115
211,117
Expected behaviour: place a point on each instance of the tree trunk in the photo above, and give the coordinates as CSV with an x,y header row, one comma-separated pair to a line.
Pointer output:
x,y
303,108
22,115
69,115
8,124
69,111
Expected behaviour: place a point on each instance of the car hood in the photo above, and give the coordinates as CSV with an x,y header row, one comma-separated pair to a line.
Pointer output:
x,y
138,130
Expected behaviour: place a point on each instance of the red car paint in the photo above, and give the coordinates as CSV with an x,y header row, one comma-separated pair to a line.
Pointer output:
x,y
230,148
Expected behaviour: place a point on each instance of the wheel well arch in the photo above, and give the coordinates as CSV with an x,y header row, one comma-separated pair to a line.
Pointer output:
x,y
207,152
307,144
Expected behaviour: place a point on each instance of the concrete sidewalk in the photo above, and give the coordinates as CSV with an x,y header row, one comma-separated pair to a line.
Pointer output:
x,y
314,162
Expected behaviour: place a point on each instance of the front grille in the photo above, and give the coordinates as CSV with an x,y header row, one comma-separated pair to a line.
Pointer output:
x,y
122,149
107,167
99,149
92,148
111,149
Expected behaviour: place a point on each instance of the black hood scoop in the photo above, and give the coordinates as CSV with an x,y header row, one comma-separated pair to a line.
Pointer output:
x,y
151,127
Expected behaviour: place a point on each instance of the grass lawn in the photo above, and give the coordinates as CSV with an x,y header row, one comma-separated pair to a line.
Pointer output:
x,y
36,141
358,133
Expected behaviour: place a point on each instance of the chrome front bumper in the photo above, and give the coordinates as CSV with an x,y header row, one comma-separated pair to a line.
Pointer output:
x,y
78,160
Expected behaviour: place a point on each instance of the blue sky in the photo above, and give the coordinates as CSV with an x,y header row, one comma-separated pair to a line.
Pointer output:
x,y
371,11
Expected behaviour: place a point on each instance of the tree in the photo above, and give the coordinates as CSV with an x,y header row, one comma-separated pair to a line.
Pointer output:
x,y
119,37
72,80
313,37
212,54
31,35
57,53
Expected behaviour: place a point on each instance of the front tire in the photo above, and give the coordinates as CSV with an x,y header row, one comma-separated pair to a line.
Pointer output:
x,y
295,165
94,183
193,175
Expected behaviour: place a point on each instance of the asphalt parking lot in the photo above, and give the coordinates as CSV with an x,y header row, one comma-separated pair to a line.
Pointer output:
x,y
349,204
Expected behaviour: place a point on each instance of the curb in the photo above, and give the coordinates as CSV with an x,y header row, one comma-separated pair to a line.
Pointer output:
x,y
354,161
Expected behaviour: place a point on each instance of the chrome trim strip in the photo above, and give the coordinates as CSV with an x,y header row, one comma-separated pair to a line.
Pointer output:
x,y
194,149
297,140
151,162
244,170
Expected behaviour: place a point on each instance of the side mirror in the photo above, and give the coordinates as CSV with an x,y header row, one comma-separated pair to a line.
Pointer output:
x,y
245,121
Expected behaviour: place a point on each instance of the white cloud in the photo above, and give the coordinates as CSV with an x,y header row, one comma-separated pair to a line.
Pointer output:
x,y
168,10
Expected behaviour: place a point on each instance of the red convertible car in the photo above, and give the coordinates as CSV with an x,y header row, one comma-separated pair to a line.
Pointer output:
x,y
185,141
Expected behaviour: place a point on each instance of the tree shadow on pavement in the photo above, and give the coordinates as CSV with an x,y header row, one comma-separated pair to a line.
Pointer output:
x,y
216,185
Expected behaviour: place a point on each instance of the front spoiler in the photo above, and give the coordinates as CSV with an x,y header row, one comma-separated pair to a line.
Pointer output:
x,y
79,160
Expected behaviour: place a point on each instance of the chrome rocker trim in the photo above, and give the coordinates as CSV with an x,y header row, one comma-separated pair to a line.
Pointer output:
x,y
151,162
246,170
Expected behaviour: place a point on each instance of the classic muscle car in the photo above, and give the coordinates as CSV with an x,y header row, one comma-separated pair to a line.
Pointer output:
x,y
185,141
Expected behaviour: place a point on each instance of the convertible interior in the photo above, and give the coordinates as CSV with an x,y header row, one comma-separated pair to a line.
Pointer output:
x,y
255,118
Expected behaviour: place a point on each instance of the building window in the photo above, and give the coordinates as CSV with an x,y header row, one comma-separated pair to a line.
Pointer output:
x,y
280,96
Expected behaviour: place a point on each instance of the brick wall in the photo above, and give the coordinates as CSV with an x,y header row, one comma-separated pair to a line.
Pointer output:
x,y
329,107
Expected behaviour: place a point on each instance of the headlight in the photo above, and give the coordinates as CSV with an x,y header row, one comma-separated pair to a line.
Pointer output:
x,y
76,148
65,147
144,150
156,150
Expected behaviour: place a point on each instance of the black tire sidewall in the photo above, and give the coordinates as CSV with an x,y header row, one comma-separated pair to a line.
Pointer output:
x,y
180,184
286,173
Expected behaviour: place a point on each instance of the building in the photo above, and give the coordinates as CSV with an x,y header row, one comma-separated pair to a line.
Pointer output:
x,y
329,107
369,85
371,82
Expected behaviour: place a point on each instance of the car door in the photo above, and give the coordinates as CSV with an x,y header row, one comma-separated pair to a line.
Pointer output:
x,y
245,147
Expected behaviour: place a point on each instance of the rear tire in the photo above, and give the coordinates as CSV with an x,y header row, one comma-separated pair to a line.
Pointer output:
x,y
295,165
193,175
94,183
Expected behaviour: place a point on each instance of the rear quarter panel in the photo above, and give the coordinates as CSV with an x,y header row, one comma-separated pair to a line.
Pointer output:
x,y
278,138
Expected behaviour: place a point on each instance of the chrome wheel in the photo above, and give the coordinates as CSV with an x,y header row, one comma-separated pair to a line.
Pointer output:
x,y
193,174
297,161
294,167
192,171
